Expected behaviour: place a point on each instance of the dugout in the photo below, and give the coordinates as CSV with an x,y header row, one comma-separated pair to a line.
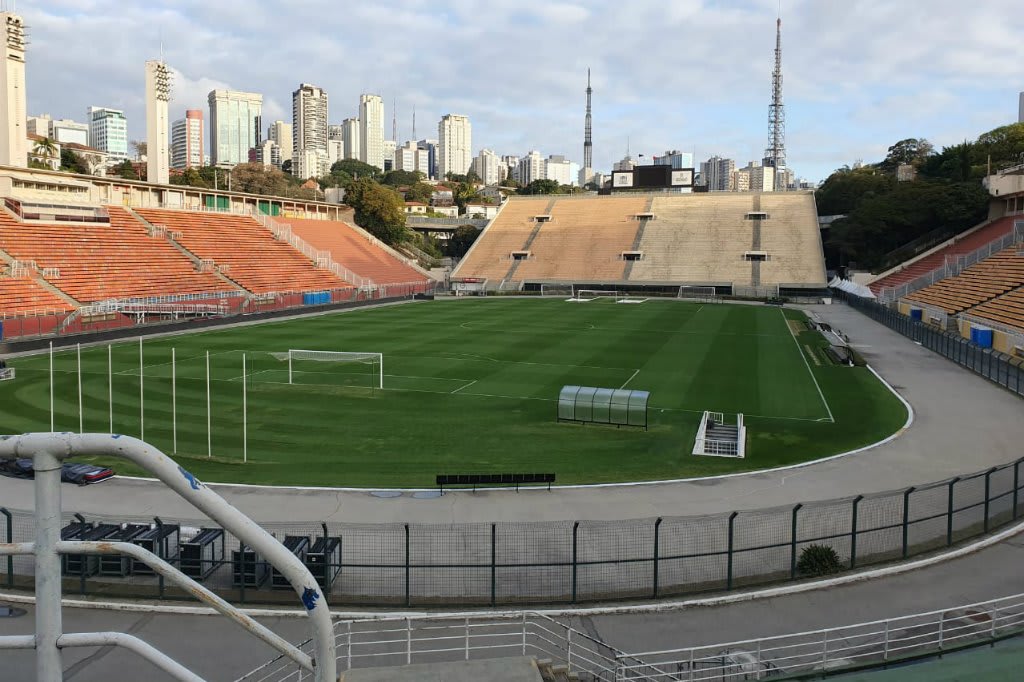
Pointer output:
x,y
592,405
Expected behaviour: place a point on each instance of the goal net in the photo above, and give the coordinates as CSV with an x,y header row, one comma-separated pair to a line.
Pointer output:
x,y
704,294
586,295
335,368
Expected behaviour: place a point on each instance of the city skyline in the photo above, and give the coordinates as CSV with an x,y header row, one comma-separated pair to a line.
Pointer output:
x,y
847,68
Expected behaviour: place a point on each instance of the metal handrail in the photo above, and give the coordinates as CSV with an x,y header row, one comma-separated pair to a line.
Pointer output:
x,y
47,450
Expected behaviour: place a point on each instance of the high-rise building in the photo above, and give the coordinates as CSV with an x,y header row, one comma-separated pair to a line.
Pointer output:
x,y
405,157
716,172
559,169
754,177
371,130
429,148
455,145
235,120
67,131
511,164
40,125
350,138
1020,109
281,133
531,167
309,163
389,147
13,137
269,154
187,140
674,158
158,144
108,132
309,121
487,166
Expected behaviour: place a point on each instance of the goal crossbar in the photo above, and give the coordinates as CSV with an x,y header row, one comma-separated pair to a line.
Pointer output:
x,y
340,357
584,295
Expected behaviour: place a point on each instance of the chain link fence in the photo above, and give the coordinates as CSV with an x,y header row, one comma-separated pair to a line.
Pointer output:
x,y
486,564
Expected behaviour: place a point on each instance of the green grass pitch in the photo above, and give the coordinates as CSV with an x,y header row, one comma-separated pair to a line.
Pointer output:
x,y
470,386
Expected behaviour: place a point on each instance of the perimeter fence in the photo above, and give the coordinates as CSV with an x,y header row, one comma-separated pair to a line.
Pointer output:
x,y
487,564
1001,368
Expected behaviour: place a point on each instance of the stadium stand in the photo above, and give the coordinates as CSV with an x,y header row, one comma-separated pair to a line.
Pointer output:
x,y
1006,309
965,243
19,295
610,227
794,248
254,259
490,257
98,261
981,282
353,250
698,239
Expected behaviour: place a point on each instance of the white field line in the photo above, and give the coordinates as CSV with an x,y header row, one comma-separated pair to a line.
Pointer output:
x,y
807,365
631,377
464,386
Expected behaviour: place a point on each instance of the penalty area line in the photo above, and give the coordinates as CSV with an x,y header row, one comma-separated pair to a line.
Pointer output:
x,y
631,377
463,386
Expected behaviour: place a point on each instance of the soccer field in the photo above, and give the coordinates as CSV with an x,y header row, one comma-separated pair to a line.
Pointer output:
x,y
469,386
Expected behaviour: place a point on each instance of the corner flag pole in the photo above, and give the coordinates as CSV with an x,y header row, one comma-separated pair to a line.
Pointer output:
x,y
245,421
142,400
110,387
174,401
78,353
51,387
209,440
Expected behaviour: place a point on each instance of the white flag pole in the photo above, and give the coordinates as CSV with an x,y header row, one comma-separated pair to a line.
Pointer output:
x,y
78,353
209,439
174,401
245,422
110,386
51,387
142,401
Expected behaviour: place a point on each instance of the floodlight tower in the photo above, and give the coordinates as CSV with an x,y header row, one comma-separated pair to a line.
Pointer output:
x,y
775,154
158,95
13,135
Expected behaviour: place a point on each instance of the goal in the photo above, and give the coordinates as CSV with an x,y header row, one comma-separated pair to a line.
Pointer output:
x,y
7,374
334,367
587,295
703,294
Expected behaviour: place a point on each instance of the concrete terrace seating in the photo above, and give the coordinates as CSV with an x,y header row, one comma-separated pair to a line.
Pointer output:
x,y
489,258
964,244
1007,309
790,236
353,251
983,281
20,295
584,240
696,238
256,260
97,261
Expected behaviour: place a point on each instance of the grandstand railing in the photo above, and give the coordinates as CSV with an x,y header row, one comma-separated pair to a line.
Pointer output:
x,y
830,650
1001,368
954,265
487,564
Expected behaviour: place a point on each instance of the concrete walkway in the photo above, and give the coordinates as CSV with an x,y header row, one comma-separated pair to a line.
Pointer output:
x,y
962,424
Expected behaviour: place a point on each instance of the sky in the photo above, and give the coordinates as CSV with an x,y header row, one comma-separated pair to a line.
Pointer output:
x,y
693,75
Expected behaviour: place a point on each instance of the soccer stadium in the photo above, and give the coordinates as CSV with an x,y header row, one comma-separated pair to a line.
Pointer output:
x,y
635,433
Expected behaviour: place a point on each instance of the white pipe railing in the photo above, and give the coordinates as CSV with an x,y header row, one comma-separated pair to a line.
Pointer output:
x,y
47,450
320,257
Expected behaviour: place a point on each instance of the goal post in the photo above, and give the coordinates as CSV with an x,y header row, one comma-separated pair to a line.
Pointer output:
x,y
346,367
694,293
584,295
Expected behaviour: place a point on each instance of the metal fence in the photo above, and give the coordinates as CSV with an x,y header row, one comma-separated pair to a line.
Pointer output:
x,y
1005,370
485,564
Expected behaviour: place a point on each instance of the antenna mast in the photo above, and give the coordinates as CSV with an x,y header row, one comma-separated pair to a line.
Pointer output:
x,y
588,145
775,154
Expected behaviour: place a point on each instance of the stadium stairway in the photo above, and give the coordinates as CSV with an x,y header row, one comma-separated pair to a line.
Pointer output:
x,y
245,251
962,244
490,256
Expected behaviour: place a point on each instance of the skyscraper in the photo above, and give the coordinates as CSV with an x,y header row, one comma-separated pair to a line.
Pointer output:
x,y
158,95
108,132
309,119
187,140
775,154
281,133
455,146
715,173
350,139
371,130
488,166
234,125
13,140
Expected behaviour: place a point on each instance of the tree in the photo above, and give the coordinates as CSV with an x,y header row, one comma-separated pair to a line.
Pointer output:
x,y
141,149
473,177
126,170
378,209
286,167
256,178
356,169
845,189
190,177
397,178
456,177
72,162
542,187
419,191
45,148
461,240
912,150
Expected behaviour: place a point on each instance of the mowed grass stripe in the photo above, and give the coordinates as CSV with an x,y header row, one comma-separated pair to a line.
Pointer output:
x,y
507,358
